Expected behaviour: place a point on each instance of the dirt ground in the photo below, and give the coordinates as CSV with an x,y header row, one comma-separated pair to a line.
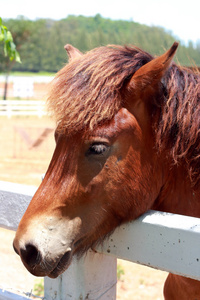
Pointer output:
x,y
22,163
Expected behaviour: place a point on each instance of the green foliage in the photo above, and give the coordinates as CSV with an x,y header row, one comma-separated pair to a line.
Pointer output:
x,y
38,289
9,46
120,272
41,42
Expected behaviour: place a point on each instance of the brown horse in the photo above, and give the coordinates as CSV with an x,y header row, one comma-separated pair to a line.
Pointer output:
x,y
127,140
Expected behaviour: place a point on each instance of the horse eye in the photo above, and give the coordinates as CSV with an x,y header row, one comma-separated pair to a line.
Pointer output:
x,y
98,149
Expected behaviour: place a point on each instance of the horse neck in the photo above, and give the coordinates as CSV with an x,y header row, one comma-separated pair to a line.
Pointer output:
x,y
177,194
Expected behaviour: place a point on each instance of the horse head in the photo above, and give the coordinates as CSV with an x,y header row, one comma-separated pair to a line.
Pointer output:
x,y
105,169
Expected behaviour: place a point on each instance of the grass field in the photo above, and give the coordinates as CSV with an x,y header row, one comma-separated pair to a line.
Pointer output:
x,y
22,164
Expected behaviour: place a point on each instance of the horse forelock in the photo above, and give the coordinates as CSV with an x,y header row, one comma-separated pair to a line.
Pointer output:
x,y
87,91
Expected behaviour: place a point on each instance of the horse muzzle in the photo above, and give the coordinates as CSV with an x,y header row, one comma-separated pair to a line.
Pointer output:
x,y
47,249
39,265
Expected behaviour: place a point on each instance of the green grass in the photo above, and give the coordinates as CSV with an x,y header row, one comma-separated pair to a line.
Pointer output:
x,y
120,272
38,289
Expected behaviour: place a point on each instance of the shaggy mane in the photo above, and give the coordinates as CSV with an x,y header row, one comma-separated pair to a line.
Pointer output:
x,y
178,128
86,91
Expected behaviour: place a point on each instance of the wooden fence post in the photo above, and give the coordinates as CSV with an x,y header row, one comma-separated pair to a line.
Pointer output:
x,y
93,277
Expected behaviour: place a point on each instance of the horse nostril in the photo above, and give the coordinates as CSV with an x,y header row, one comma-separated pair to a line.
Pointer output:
x,y
30,255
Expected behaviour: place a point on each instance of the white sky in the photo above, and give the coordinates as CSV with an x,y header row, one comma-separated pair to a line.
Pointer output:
x,y
179,16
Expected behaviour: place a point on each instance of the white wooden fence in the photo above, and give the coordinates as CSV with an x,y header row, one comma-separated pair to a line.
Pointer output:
x,y
160,240
11,108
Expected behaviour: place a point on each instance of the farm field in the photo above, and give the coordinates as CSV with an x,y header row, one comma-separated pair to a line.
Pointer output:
x,y
22,163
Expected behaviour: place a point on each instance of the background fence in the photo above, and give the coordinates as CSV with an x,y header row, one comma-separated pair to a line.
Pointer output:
x,y
11,108
160,240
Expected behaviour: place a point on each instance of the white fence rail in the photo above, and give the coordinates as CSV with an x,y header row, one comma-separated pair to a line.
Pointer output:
x,y
11,108
161,240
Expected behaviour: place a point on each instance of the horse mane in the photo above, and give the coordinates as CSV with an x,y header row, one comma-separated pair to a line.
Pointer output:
x,y
87,92
178,127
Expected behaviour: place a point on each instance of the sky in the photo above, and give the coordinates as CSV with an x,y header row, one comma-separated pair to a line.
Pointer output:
x,y
180,17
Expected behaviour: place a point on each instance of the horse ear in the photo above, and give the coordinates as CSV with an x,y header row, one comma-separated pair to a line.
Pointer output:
x,y
147,78
72,52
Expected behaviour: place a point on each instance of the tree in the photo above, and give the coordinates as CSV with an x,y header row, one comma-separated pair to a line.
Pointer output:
x,y
41,42
9,46
10,52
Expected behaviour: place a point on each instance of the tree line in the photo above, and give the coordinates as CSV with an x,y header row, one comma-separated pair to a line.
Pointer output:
x,y
41,42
